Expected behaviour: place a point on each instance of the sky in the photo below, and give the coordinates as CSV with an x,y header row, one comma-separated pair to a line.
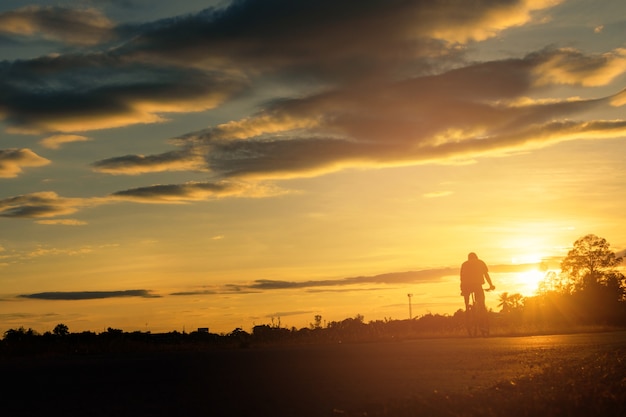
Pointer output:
x,y
225,164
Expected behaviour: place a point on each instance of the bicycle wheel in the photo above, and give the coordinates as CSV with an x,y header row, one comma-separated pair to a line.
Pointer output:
x,y
483,324
471,321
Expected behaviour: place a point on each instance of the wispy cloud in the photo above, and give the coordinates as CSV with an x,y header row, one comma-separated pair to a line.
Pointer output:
x,y
47,251
423,276
431,275
64,222
347,284
68,25
140,164
56,141
569,66
196,191
46,205
13,161
42,204
89,295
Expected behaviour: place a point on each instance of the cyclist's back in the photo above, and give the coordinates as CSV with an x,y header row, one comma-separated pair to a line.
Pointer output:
x,y
474,272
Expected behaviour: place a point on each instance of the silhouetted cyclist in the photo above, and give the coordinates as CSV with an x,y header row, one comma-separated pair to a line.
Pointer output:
x,y
474,272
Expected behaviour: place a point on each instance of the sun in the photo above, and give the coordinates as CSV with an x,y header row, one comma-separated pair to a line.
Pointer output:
x,y
532,272
528,281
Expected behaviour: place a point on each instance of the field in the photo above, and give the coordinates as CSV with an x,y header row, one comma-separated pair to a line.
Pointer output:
x,y
561,375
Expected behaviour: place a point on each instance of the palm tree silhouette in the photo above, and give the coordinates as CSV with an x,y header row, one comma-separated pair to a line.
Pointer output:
x,y
506,302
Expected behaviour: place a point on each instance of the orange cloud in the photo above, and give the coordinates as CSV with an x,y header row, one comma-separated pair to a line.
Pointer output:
x,y
196,191
56,141
64,222
42,205
569,66
458,22
186,160
12,161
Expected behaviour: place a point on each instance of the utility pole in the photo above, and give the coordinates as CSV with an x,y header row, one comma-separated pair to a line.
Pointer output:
x,y
410,307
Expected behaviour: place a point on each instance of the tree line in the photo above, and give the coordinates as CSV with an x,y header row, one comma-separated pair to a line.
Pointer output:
x,y
589,292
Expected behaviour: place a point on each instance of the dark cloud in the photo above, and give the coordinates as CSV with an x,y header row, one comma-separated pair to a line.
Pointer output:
x,y
194,62
138,164
326,37
424,276
339,285
199,292
89,295
288,313
87,92
41,204
431,275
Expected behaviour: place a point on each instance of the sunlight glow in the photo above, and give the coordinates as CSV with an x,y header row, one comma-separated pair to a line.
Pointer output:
x,y
529,281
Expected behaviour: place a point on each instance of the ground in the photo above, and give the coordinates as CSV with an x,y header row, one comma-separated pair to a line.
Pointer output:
x,y
574,374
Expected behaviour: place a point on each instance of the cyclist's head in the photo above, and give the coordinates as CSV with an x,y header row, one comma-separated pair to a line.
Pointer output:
x,y
472,256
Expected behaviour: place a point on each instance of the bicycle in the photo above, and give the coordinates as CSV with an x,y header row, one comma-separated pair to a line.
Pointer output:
x,y
477,318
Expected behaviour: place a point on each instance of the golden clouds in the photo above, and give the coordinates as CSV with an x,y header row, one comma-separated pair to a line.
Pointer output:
x,y
55,141
186,160
41,205
364,83
460,22
12,161
196,191
571,67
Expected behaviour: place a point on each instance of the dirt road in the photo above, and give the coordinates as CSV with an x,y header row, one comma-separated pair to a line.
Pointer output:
x,y
298,381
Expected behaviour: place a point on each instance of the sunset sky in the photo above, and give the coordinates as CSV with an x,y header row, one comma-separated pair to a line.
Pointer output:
x,y
174,165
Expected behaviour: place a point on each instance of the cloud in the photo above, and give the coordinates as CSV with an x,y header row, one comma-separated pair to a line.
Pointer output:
x,y
89,295
42,204
387,85
65,222
55,141
346,284
140,164
77,93
424,276
43,251
280,314
12,161
431,275
195,191
198,292
325,37
572,67
48,204
195,62
74,26
463,113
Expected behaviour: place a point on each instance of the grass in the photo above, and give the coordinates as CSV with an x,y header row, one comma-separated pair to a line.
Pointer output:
x,y
593,385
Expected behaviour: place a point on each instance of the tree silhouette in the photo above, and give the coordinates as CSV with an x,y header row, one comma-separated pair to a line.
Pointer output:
x,y
61,330
509,302
591,262
517,300
505,302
